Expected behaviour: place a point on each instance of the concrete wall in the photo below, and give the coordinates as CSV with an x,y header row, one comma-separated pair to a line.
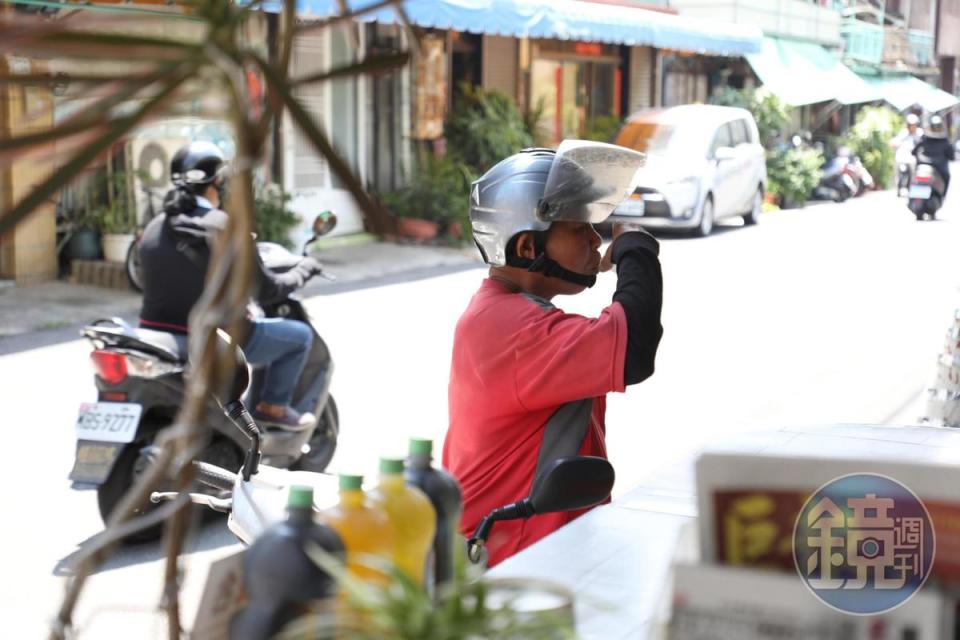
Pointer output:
x,y
948,37
786,18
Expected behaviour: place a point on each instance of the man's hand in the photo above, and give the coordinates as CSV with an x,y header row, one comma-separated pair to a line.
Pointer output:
x,y
619,228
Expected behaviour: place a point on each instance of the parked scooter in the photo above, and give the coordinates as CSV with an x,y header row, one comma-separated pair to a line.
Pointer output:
x,y
926,191
836,181
140,378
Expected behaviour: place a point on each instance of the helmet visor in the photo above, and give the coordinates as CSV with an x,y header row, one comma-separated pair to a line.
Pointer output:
x,y
587,181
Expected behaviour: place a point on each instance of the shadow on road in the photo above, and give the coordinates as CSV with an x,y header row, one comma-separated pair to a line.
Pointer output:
x,y
208,536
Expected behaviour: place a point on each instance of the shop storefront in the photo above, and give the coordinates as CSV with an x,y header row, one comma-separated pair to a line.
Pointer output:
x,y
573,83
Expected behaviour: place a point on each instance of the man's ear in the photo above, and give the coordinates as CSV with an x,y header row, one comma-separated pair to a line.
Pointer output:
x,y
526,246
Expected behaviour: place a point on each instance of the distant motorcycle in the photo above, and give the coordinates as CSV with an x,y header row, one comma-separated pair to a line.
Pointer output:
x,y
927,189
836,181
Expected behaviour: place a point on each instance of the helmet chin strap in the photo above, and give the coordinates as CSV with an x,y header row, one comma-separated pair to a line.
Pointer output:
x,y
548,266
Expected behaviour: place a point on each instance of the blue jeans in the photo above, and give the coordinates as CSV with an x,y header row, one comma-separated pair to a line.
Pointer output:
x,y
283,346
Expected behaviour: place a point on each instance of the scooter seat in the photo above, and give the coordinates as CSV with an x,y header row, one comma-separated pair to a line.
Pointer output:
x,y
171,347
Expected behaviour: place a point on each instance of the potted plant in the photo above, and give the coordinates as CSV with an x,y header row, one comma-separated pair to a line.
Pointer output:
x,y
435,201
116,217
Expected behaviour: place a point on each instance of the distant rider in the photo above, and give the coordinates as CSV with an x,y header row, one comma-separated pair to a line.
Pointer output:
x,y
175,254
904,143
936,150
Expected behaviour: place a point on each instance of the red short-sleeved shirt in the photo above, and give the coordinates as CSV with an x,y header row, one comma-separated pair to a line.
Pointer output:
x,y
516,361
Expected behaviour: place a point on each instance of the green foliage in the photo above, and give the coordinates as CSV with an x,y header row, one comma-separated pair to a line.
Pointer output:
x,y
870,139
272,218
398,609
601,128
115,211
484,127
792,174
439,190
772,115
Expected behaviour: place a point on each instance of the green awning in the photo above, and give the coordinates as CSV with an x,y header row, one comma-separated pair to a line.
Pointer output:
x,y
903,92
801,73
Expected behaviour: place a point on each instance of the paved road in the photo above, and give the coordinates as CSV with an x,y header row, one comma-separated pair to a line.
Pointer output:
x,y
826,314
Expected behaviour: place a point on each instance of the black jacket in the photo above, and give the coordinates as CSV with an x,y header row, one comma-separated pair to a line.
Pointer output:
x,y
174,255
936,151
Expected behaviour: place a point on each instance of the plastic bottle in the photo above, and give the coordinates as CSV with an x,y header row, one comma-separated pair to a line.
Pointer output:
x,y
279,576
444,492
413,516
365,529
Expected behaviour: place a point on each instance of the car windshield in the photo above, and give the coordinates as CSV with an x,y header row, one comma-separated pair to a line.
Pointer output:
x,y
661,138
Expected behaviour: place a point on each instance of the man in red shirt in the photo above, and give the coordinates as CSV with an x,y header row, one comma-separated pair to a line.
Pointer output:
x,y
528,381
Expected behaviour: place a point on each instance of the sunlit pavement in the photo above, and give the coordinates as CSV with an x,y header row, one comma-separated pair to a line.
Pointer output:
x,y
832,313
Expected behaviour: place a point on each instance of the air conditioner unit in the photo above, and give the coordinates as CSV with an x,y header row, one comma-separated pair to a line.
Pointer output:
x,y
148,161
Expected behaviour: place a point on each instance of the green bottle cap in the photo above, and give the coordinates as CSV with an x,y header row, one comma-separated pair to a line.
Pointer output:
x,y
300,498
391,465
421,447
350,483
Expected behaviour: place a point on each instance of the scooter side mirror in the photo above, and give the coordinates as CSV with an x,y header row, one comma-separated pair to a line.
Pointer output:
x,y
565,484
324,223
724,153
572,483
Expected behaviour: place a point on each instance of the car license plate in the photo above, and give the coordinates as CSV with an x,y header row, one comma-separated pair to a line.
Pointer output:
x,y
921,191
632,206
108,421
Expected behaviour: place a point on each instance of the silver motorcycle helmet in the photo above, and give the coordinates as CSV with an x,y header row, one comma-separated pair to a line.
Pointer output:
x,y
582,181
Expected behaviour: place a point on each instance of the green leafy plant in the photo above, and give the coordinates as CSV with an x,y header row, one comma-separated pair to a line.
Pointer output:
x,y
439,190
272,218
792,174
870,139
484,127
772,115
600,128
115,212
398,609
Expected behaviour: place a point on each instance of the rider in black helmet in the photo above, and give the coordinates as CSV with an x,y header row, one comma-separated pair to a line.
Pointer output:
x,y
935,149
175,253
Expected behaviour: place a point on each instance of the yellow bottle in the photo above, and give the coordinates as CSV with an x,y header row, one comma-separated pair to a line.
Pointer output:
x,y
413,517
364,528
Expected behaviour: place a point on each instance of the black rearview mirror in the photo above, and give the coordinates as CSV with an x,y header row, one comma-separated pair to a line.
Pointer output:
x,y
566,484
572,483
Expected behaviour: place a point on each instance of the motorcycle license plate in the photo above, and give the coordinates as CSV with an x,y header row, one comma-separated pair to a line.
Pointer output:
x,y
108,421
922,191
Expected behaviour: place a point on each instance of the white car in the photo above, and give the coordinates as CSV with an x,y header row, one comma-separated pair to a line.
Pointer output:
x,y
704,163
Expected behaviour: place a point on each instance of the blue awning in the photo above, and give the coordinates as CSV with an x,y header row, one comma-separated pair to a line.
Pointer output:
x,y
564,20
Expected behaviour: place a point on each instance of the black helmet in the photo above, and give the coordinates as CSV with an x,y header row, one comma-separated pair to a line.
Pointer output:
x,y
936,127
197,164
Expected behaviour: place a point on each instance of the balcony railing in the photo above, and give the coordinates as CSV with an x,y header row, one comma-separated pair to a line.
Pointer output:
x,y
863,42
907,47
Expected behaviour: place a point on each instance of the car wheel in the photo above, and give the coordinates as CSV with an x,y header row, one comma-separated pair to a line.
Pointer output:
x,y
753,216
706,219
